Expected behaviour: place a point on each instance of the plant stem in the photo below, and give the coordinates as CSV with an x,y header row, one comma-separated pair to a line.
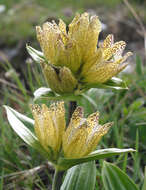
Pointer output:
x,y
57,181
72,107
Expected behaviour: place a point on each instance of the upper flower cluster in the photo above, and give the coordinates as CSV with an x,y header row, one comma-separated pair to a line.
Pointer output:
x,y
75,61
78,140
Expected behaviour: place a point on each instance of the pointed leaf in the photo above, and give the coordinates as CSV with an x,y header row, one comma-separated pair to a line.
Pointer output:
x,y
91,100
41,92
96,155
19,127
115,83
20,116
80,177
65,97
15,120
139,68
35,54
114,178
144,183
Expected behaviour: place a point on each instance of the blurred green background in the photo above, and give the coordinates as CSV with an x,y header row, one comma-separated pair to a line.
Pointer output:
x,y
20,77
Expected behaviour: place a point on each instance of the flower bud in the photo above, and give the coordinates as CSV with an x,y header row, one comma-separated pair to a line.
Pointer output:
x,y
60,80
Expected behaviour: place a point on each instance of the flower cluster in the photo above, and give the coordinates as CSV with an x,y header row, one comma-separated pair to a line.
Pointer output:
x,y
74,61
78,140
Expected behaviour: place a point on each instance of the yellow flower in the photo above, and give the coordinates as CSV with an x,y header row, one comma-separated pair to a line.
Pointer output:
x,y
78,140
60,80
83,134
73,48
109,61
49,126
75,52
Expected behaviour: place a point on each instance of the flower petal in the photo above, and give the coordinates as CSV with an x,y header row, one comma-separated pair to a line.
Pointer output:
x,y
109,41
97,132
116,50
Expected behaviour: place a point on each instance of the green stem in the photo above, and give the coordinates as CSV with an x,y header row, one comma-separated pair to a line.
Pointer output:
x,y
57,180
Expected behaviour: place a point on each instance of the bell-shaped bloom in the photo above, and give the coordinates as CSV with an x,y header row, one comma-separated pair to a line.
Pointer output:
x,y
49,126
74,52
83,134
77,140
71,49
60,80
109,61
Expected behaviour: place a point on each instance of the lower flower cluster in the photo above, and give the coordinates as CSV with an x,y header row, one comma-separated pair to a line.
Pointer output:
x,y
76,140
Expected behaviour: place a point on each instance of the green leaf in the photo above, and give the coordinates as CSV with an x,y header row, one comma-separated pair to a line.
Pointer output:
x,y
116,83
139,66
136,104
15,120
20,116
40,92
91,100
56,97
114,178
144,183
113,83
35,54
98,154
80,177
19,127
